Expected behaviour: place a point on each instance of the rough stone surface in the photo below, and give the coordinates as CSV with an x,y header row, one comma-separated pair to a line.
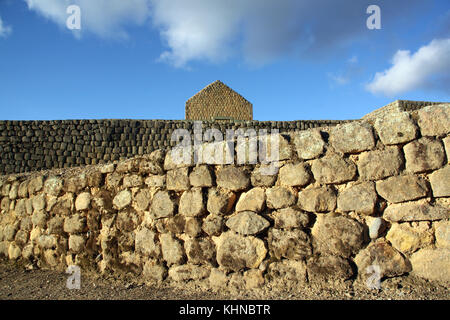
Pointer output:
x,y
424,155
76,243
290,218
379,164
132,180
352,137
380,254
154,272
308,144
53,186
155,181
291,244
232,178
408,239
235,252
261,178
287,271
432,264
213,225
280,197
146,243
178,179
253,200
333,169
172,250
191,203
415,211
322,199
188,272
294,174
360,198
442,234
323,269
247,223
200,251
162,205
402,188
201,176
395,128
74,224
220,201
83,201
446,142
338,235
434,120
142,199
440,182
122,199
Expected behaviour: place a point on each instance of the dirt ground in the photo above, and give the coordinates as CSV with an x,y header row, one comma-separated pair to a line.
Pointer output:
x,y
18,283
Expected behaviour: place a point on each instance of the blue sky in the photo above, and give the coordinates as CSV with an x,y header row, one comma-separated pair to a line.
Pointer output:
x,y
293,59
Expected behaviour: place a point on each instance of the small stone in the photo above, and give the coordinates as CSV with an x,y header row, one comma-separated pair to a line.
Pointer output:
x,y
75,183
47,242
415,211
142,199
38,202
122,199
176,224
290,218
291,244
442,234
172,250
352,137
22,192
188,272
424,155
288,271
294,174
217,279
235,252
191,203
322,199
35,185
280,197
395,128
308,144
380,164
434,120
201,176
155,181
213,225
192,227
14,251
233,178
83,201
402,188
146,243
113,180
382,257
162,205
253,279
178,179
360,198
432,264
220,201
440,182
76,243
247,223
375,227
338,235
253,200
407,239
446,141
333,169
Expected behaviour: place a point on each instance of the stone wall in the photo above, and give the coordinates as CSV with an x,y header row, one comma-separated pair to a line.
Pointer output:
x,y
36,145
348,202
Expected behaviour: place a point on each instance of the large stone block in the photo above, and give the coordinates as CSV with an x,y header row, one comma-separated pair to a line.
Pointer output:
x,y
253,200
379,164
322,199
333,169
360,198
294,174
408,239
290,218
201,176
236,252
178,179
280,197
415,211
395,128
220,201
352,137
308,144
233,178
191,203
247,223
291,244
162,205
440,182
434,120
424,155
442,234
402,188
146,243
432,264
172,250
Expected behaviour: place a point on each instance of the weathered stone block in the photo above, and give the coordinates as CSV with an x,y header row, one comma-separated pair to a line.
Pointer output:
x,y
290,218
162,205
83,201
442,234
280,197
247,223
213,225
434,120
253,200
352,137
424,155
294,174
333,169
320,199
440,182
395,128
201,176
408,239
432,264
191,203
415,211
402,188
178,179
172,250
379,164
146,243
308,144
360,198
122,199
233,178
291,244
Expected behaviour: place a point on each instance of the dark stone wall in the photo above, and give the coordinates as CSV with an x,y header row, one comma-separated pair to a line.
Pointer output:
x,y
36,145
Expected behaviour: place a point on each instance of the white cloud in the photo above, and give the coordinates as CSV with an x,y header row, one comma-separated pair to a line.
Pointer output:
x,y
105,18
425,69
4,29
